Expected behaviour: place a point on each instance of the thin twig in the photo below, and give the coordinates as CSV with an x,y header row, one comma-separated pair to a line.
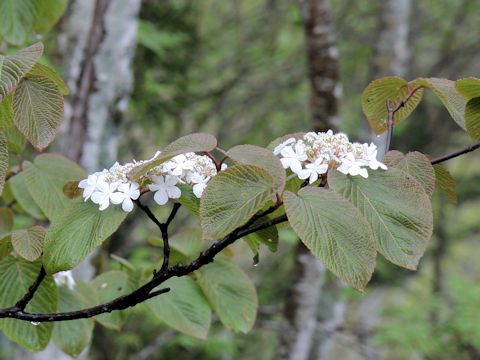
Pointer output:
x,y
392,110
144,292
149,213
176,206
23,302
457,153
163,230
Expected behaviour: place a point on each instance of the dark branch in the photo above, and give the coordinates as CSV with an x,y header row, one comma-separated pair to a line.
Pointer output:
x,y
172,215
146,292
149,213
457,153
163,229
23,302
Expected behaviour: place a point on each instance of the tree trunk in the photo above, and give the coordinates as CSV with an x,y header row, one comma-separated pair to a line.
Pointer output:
x,y
337,337
99,43
96,46
301,308
392,53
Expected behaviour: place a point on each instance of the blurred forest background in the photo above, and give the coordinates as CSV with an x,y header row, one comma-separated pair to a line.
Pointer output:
x,y
144,73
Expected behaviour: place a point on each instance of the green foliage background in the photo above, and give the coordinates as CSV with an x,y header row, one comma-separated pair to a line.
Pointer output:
x,y
237,70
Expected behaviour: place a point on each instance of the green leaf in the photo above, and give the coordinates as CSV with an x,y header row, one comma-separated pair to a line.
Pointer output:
x,y
187,242
37,110
124,263
232,197
45,180
447,93
110,285
183,308
469,87
415,164
5,246
6,221
46,71
28,243
445,182
335,232
15,140
72,336
197,142
231,294
472,118
76,232
22,195
14,67
255,155
6,112
16,20
267,237
3,160
49,13
397,208
374,101
188,199
16,276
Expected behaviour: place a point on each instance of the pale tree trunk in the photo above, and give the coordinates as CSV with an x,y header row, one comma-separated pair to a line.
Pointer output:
x,y
96,45
339,338
392,53
301,308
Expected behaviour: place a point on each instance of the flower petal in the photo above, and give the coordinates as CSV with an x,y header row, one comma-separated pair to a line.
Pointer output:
x,y
313,177
117,197
171,180
104,204
173,192
304,173
97,197
161,197
127,205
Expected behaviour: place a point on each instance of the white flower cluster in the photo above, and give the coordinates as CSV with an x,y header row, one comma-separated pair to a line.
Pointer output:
x,y
112,186
317,152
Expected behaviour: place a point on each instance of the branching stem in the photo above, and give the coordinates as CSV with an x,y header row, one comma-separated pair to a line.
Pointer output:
x,y
392,110
146,291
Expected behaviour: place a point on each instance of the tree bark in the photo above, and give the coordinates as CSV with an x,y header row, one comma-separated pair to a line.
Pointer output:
x,y
301,308
392,53
99,43
322,60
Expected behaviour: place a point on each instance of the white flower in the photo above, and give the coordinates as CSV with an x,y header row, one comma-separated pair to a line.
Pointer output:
x,y
312,170
200,183
164,188
105,193
130,191
114,167
279,147
178,164
89,185
351,166
293,156
64,278
316,152
370,152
